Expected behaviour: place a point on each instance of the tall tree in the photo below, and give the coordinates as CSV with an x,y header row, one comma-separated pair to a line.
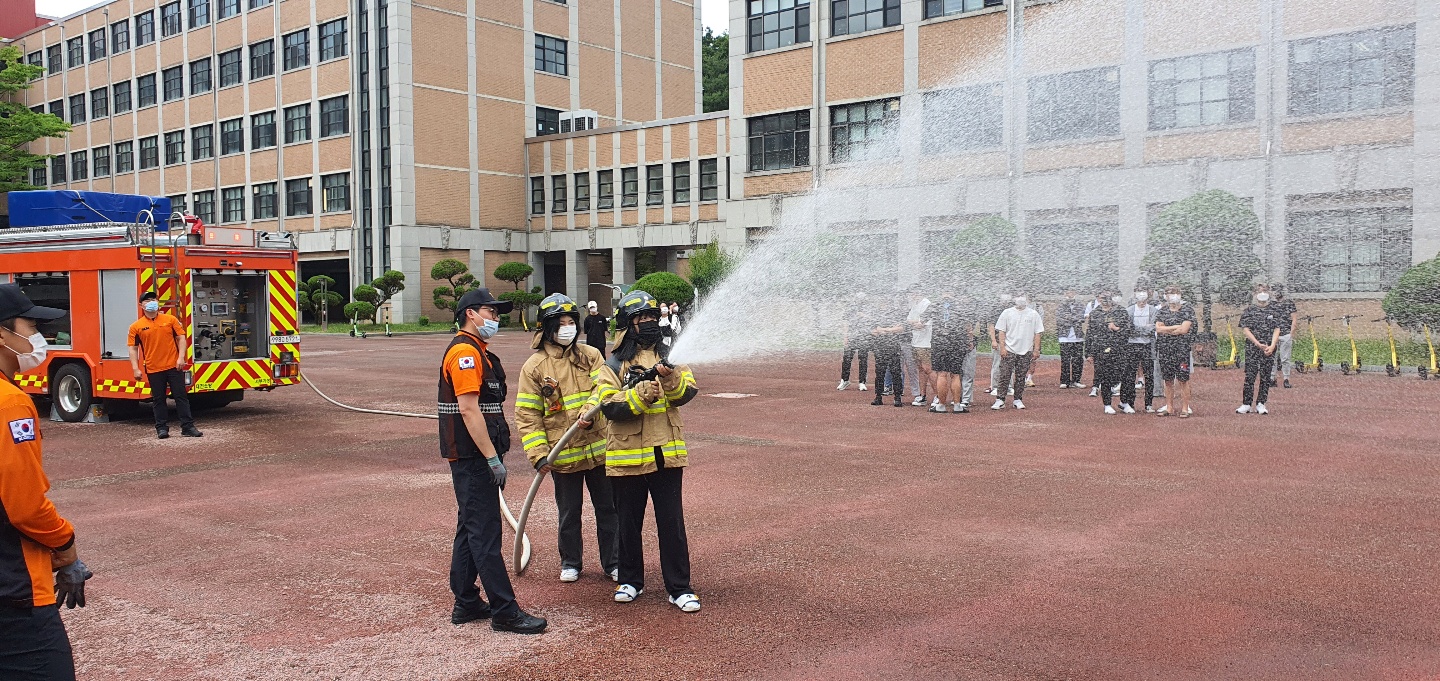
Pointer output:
x,y
1206,244
19,125
715,70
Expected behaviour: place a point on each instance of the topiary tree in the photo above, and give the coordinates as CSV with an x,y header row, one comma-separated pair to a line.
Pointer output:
x,y
982,255
387,285
1206,244
524,300
514,272
709,266
1415,300
366,294
667,288
359,310
461,282
316,294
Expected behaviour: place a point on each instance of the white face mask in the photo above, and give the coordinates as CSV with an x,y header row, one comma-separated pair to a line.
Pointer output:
x,y
1172,298
1140,296
35,357
1262,297
1021,302
1117,300
565,334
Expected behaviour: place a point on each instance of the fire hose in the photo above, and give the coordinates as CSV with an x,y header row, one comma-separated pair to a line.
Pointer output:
x,y
522,542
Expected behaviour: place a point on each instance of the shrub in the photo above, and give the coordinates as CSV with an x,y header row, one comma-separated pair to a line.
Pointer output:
x,y
423,321
461,282
709,267
359,310
1205,243
666,287
1415,300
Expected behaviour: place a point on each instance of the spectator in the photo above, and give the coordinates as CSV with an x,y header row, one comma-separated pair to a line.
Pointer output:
x,y
994,316
952,344
1091,306
1287,312
597,327
1261,325
921,331
1018,336
1030,372
1175,336
1069,328
856,331
675,319
666,329
1139,354
1108,333
888,336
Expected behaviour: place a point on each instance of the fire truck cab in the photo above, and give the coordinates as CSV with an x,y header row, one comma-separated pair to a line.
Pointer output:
x,y
95,254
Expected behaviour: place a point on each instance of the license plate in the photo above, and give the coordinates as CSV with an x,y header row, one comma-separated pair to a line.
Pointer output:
x,y
284,340
202,387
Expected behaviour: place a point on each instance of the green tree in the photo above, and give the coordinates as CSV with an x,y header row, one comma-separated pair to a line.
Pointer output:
x,y
523,300
1415,300
1206,244
715,70
359,310
317,293
667,288
981,256
516,272
461,282
19,125
367,294
709,266
387,285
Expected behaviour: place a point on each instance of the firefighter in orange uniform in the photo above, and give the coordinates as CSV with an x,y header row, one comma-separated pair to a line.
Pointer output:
x,y
38,564
160,338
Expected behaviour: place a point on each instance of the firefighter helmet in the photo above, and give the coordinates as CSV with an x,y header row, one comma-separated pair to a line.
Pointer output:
x,y
557,304
632,304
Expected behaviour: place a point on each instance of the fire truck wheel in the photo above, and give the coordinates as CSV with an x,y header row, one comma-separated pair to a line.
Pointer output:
x,y
71,394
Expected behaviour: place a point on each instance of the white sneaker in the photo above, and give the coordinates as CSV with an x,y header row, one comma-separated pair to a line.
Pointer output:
x,y
569,575
1109,410
626,593
999,404
1149,409
686,602
615,575
1163,410
1064,386
1244,409
1127,408
1094,392
1019,404
863,388
918,402
1260,409
990,391
1115,390
1188,410
1029,382
1010,391
843,385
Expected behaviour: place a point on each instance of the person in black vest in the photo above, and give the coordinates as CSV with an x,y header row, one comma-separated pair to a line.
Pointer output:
x,y
473,438
597,328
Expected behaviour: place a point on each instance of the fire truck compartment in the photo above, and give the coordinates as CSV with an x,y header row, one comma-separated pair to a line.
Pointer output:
x,y
229,313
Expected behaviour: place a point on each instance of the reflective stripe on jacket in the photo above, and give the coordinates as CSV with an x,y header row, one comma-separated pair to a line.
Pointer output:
x,y
541,420
637,429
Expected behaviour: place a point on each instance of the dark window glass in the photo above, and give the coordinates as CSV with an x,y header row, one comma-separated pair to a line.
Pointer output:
x,y
39,177
1353,250
297,49
332,39
865,130
120,36
297,123
57,109
334,116
202,141
547,121
230,68
232,136
582,191
1073,255
777,23
122,96
37,58
174,78
170,22
100,103
100,161
629,187
199,13
780,141
858,16
1074,105
709,179
297,197
537,195
149,152
262,130
232,204
57,169
335,190
680,181
550,55
75,52
97,44
262,59
79,166
177,203
940,8
77,108
145,90
205,205
54,56
227,9
605,184
200,76
257,4
174,147
1202,89
971,117
264,206
559,194
124,157
1357,71
655,185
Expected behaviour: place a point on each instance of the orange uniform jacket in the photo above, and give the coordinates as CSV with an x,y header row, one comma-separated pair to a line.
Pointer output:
x,y
30,528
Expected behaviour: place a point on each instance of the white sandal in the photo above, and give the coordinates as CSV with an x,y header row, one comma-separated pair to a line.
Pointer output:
x,y
626,593
686,602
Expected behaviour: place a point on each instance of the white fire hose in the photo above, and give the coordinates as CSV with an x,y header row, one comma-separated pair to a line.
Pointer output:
x,y
521,556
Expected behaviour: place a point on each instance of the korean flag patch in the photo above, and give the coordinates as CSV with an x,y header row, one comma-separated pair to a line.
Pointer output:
x,y
22,430
467,362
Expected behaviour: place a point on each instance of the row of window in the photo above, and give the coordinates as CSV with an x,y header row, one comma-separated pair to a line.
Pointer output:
x,y
263,201
680,184
779,23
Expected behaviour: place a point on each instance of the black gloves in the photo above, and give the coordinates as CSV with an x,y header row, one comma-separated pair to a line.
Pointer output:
x,y
70,584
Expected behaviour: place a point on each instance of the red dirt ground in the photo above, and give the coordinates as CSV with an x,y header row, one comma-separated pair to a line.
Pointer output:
x,y
829,539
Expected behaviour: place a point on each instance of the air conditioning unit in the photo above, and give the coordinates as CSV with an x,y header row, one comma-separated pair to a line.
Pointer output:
x,y
578,120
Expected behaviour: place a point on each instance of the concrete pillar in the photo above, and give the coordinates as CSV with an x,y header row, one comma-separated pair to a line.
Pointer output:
x,y
623,270
405,257
537,278
577,275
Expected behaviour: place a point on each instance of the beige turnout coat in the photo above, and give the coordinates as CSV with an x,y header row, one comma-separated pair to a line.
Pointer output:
x,y
637,428
577,372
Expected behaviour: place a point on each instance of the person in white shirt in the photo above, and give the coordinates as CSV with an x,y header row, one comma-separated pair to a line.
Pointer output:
x,y
674,319
1139,353
920,321
1018,339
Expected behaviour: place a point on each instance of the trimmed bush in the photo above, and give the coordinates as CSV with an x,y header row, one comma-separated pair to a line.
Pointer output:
x,y
1415,300
667,288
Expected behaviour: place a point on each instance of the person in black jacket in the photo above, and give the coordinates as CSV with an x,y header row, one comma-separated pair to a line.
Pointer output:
x,y
597,327
1070,330
1108,334
889,332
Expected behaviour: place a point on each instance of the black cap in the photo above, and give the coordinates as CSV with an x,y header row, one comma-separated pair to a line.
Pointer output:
x,y
14,303
478,297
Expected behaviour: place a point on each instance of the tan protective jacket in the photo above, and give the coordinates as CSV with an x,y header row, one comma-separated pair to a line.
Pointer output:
x,y
577,371
637,428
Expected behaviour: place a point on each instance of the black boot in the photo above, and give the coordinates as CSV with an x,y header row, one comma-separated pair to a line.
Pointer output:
x,y
162,432
191,431
520,623
461,614
879,400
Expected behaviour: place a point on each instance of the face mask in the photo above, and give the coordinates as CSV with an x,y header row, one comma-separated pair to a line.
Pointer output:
x,y
487,328
35,357
1117,300
674,311
1262,297
1141,296
1172,298
1021,302
152,306
565,334
648,332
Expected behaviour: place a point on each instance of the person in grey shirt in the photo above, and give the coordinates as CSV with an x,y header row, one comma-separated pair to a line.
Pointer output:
x,y
1139,353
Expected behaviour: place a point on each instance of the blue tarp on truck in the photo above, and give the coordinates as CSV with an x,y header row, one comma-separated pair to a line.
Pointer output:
x,y
68,207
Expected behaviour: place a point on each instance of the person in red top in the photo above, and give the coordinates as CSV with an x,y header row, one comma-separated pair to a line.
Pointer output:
x,y
160,339
35,542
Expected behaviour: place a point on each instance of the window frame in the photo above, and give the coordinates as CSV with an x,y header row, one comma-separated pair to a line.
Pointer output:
x,y
333,44
199,85
335,182
172,20
231,67
232,136
204,205
197,13
174,147
226,9
799,19
552,55
843,20
124,157
880,136
262,59
100,161
537,195
797,137
630,187
582,191
146,84
93,53
200,151
268,201
335,116
978,110
945,8
559,193
54,59
75,52
1061,92
1387,230
78,113
604,189
1166,86
116,91
680,182
655,184
173,89
79,166
713,185
295,55
59,172
295,134
294,197
262,130
120,36
1314,87
232,204
149,154
542,121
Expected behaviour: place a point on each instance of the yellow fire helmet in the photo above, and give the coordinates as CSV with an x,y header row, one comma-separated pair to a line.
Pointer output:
x,y
557,304
633,303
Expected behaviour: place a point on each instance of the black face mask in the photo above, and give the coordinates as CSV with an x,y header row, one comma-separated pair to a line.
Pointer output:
x,y
648,332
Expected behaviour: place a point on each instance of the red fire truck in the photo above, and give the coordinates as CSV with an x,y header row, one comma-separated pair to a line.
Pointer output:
x,y
232,289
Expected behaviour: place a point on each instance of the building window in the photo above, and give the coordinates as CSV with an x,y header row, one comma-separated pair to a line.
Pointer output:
x,y
262,130
205,205
174,147
57,109
263,206
75,52
149,152
202,141
629,187
1074,254
1353,71
120,35
550,55
864,131
232,136
39,177
335,190
780,141
170,23
57,169
537,195
145,90
1075,105
680,181
858,16
940,8
100,103
547,121
655,185
1355,250
297,49
334,116
559,196
100,161
200,76
262,59
230,68
37,58
297,197
97,44
582,191
777,23
257,4
297,123
199,13
964,118
227,9
53,60
77,109
122,96
124,157
177,204
174,79
709,179
79,165
1203,89
605,182
332,40
232,204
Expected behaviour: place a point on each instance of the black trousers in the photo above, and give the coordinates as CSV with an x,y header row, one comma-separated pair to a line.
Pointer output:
x,y
1072,362
1257,364
175,381
477,540
1137,356
34,645
1108,369
664,488
850,350
569,500
887,359
1013,369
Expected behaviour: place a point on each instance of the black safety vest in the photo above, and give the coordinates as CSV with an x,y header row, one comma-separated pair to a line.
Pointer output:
x,y
455,440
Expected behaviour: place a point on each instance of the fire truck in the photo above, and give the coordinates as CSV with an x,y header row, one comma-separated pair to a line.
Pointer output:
x,y
95,254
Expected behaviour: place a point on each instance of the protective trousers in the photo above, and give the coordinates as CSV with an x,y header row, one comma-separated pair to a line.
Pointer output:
x,y
569,499
1137,357
477,540
175,381
1257,363
967,378
1072,362
631,494
34,645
